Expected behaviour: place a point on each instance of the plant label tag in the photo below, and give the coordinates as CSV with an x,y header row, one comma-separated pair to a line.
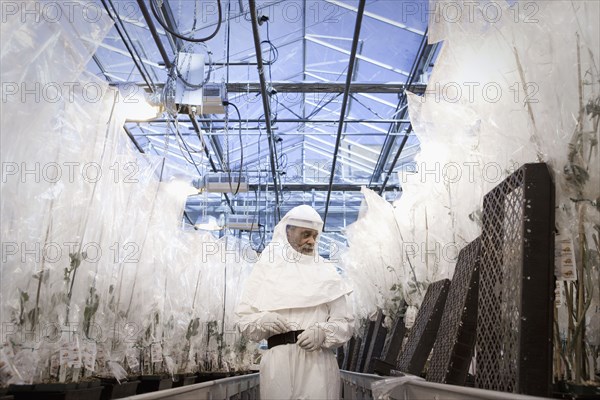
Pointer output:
x,y
65,348
74,355
564,259
54,364
89,356
132,359
559,295
156,353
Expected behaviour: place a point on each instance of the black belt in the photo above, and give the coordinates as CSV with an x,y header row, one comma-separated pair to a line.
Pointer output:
x,y
290,337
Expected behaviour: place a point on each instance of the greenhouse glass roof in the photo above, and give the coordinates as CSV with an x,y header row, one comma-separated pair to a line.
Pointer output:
x,y
297,152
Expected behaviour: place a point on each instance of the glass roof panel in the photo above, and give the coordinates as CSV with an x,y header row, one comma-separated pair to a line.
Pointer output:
x,y
306,43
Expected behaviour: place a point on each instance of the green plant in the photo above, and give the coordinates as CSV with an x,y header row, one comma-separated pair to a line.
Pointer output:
x,y
192,331
573,351
69,276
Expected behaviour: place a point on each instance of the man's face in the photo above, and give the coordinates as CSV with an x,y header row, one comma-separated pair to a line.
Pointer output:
x,y
302,239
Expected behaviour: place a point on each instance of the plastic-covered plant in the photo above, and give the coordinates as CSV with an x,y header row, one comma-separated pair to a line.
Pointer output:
x,y
192,331
577,351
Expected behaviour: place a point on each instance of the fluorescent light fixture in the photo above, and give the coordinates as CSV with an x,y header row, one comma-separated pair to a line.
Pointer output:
x,y
224,182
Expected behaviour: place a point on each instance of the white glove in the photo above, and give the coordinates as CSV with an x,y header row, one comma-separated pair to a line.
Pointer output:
x,y
273,324
312,338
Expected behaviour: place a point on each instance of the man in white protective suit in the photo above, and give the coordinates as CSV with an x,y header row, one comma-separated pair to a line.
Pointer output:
x,y
298,302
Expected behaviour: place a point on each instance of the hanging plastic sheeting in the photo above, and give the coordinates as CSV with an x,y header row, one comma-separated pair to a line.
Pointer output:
x,y
49,120
228,263
148,302
374,260
238,352
185,305
438,211
513,84
109,286
98,277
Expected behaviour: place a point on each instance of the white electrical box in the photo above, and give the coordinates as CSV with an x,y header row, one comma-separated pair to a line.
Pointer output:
x,y
191,68
243,222
223,182
209,98
213,96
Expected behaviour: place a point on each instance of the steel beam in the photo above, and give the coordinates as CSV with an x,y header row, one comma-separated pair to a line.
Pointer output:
x,y
315,87
326,87
279,120
175,42
307,187
266,107
390,140
349,75
154,33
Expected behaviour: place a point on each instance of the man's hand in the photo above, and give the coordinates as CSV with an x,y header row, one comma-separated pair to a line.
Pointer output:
x,y
311,339
273,324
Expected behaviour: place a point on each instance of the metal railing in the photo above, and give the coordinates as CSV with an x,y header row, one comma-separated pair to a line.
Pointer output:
x,y
357,386
236,387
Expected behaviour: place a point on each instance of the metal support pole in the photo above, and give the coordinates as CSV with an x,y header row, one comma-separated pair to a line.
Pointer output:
x,y
154,33
349,75
265,100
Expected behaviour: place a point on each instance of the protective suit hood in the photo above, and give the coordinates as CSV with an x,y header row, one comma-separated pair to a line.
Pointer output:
x,y
284,278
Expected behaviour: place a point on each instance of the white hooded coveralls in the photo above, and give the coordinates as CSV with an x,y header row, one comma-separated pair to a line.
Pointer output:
x,y
306,291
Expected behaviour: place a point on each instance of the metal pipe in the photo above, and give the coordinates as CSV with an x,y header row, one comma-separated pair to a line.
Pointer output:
x,y
349,75
413,387
153,31
243,386
314,87
175,42
405,138
265,100
254,131
307,187
131,49
280,120
395,126
387,176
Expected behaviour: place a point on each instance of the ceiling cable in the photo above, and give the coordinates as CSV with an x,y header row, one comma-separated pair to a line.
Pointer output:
x,y
180,36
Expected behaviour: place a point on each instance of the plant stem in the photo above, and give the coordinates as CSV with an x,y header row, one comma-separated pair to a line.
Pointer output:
x,y
119,278
36,310
196,290
571,328
137,265
580,85
534,136
89,208
220,345
580,332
